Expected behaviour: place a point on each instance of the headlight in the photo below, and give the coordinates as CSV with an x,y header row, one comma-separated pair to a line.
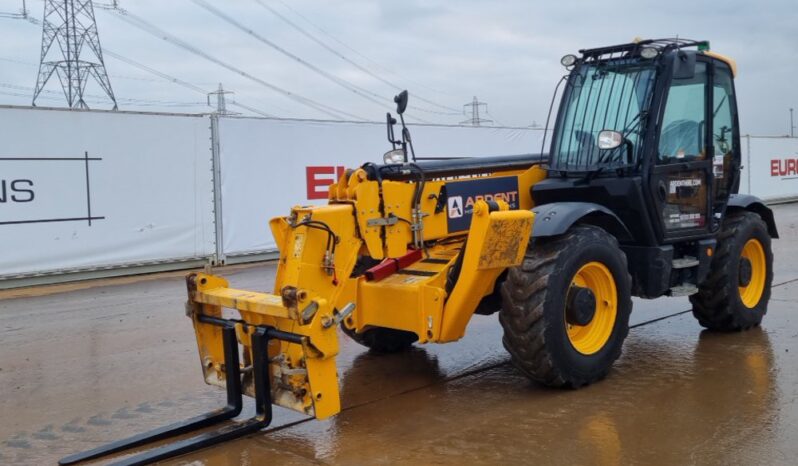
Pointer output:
x,y
394,156
568,60
649,52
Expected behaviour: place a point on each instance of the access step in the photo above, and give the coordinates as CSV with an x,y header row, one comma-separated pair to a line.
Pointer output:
x,y
685,262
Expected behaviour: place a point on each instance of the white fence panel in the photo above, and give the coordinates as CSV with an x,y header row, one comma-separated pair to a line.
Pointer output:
x,y
85,190
772,167
268,165
88,190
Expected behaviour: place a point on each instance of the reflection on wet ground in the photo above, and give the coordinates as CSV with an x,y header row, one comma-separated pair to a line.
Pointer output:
x,y
84,367
678,396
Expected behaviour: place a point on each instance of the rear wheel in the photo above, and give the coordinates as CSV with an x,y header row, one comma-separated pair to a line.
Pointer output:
x,y
565,310
735,294
382,340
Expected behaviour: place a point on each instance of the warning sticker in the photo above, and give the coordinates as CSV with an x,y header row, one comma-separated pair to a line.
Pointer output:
x,y
717,166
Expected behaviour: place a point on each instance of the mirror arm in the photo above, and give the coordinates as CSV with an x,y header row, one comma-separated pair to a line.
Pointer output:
x,y
389,122
406,140
629,151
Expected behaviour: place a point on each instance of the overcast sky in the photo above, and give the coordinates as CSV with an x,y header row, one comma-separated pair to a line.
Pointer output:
x,y
504,52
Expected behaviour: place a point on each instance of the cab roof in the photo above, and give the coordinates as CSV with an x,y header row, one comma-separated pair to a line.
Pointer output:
x,y
661,45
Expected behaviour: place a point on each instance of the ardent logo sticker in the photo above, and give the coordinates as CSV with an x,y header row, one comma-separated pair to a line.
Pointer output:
x,y
455,207
462,195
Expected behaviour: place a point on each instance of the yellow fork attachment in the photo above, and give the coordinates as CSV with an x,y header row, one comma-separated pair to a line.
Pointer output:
x,y
302,374
280,348
289,343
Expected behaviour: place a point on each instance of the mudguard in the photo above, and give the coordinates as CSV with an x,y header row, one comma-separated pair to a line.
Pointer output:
x,y
556,218
756,205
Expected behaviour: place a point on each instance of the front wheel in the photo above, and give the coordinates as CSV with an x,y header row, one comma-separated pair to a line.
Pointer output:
x,y
736,292
565,310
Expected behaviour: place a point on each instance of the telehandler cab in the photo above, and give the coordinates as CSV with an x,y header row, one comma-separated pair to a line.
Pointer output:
x,y
636,197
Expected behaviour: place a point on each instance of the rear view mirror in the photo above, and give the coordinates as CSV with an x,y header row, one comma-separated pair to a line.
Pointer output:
x,y
401,102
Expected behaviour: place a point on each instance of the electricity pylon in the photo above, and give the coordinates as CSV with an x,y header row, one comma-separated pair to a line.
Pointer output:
x,y
70,25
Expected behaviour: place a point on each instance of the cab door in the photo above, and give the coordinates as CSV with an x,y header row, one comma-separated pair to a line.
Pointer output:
x,y
725,139
681,176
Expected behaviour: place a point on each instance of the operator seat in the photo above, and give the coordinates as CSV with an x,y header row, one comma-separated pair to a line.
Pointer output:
x,y
680,137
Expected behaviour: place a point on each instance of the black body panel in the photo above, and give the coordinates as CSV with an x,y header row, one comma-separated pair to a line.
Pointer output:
x,y
650,267
621,195
455,167
556,218
756,205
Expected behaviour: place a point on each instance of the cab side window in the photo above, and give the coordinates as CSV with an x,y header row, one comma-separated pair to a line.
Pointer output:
x,y
683,124
723,112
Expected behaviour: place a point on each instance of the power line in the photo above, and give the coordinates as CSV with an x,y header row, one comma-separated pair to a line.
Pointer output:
x,y
356,52
178,81
22,14
101,98
372,97
145,26
335,52
493,118
113,75
160,33
218,13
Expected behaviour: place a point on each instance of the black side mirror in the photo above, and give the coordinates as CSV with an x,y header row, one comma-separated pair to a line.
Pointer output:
x,y
401,102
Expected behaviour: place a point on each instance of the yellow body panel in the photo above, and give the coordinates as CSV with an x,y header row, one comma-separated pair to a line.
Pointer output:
x,y
402,302
728,60
246,301
496,240
368,208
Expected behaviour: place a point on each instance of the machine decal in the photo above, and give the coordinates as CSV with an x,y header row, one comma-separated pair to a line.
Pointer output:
x,y
684,183
463,194
455,206
717,166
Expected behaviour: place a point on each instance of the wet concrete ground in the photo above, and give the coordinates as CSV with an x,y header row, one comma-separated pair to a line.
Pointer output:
x,y
81,367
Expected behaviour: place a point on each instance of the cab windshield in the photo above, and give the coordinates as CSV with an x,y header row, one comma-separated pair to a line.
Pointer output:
x,y
611,95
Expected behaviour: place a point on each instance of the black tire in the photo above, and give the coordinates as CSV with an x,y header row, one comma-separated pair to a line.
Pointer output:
x,y
718,305
534,302
383,340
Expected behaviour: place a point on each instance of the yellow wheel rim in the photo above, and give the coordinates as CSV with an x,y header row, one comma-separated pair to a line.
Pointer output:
x,y
589,339
752,293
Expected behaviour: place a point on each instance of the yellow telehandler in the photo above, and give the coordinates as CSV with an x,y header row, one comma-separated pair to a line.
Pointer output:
x,y
636,197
